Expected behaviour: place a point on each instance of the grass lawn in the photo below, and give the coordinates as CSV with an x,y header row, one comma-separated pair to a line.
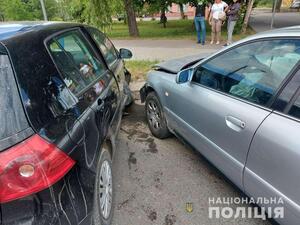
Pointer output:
x,y
152,29
176,29
139,68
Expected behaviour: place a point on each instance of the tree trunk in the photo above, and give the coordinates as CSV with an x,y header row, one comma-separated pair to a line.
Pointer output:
x,y
163,18
131,19
277,6
247,16
181,11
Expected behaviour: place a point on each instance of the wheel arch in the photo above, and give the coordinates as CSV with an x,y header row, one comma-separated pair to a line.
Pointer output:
x,y
149,89
109,146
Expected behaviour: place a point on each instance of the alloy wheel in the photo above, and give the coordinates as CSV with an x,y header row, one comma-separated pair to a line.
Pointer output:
x,y
154,115
105,189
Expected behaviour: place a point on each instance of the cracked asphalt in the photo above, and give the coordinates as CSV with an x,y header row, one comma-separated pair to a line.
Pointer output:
x,y
154,179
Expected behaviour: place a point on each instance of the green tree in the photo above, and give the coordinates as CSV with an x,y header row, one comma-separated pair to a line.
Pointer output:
x,y
17,10
277,6
118,7
96,12
27,9
160,6
100,12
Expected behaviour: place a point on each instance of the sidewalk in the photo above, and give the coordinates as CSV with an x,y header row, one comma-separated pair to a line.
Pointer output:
x,y
147,49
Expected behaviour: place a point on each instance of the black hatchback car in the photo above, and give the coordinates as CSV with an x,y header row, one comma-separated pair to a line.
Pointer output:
x,y
63,88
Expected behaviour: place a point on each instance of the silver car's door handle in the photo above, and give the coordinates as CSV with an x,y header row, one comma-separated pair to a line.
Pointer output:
x,y
235,123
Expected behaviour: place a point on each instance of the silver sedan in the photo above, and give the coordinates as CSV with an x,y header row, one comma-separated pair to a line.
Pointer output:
x,y
240,108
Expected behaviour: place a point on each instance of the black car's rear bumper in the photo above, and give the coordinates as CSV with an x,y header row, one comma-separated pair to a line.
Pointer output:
x,y
66,202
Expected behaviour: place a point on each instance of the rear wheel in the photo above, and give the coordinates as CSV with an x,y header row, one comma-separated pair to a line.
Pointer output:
x,y
104,192
156,117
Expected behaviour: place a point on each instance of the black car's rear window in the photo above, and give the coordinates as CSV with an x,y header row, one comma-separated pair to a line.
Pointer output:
x,y
2,49
12,117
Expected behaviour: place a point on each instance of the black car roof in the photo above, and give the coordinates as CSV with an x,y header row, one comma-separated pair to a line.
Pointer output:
x,y
9,30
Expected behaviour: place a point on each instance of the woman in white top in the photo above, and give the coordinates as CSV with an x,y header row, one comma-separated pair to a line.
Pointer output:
x,y
216,19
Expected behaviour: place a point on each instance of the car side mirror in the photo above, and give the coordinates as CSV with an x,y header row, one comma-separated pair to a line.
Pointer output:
x,y
184,76
125,53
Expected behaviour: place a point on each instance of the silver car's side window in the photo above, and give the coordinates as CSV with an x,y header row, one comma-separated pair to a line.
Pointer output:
x,y
253,71
295,109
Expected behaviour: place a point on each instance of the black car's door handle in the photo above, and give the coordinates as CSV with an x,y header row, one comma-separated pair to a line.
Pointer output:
x,y
100,104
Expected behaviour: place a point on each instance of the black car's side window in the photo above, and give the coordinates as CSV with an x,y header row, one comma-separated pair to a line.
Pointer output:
x,y
76,61
105,45
253,72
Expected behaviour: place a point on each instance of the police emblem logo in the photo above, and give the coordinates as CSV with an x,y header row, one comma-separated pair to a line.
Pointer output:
x,y
189,207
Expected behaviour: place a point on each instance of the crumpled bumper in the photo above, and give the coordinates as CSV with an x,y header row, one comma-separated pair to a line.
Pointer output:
x,y
143,93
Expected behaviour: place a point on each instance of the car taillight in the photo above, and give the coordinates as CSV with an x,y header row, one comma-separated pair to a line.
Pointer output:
x,y
31,166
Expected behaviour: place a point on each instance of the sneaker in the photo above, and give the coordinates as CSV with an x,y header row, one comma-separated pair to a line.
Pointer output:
x,y
212,42
217,43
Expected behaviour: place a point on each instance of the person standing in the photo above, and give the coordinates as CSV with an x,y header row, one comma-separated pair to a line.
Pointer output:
x,y
233,16
200,17
217,17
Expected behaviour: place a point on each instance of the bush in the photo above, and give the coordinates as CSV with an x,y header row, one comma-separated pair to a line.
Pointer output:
x,y
240,21
265,3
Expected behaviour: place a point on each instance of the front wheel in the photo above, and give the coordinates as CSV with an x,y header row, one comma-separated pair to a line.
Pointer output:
x,y
155,117
104,192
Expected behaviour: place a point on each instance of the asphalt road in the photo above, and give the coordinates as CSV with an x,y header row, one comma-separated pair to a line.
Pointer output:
x,y
261,20
154,179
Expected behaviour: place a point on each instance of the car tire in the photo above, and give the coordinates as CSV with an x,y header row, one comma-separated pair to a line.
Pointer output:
x,y
155,117
100,217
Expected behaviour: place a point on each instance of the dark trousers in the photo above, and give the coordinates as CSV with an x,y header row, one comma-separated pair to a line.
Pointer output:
x,y
200,28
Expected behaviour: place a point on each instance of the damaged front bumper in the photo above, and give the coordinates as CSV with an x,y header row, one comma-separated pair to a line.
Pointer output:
x,y
143,93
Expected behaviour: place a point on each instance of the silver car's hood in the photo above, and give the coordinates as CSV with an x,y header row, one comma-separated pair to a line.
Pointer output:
x,y
176,65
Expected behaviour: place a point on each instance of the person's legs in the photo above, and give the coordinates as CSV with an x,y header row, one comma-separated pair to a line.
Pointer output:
x,y
218,30
228,30
197,26
203,30
231,25
213,31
